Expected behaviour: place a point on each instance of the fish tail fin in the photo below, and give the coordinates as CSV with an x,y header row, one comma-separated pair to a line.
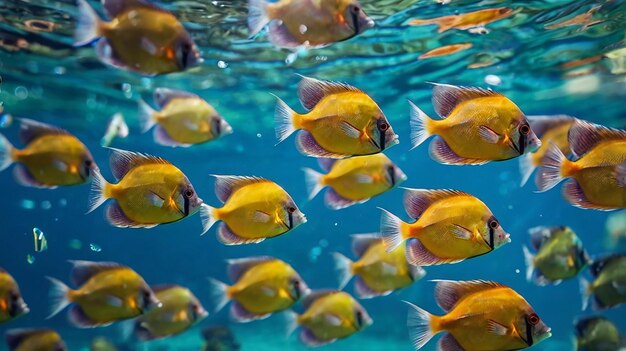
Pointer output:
x,y
529,259
585,292
313,182
526,167
98,190
257,16
283,120
391,230
291,322
208,219
419,126
419,324
219,294
88,26
343,266
550,172
59,293
146,116
6,150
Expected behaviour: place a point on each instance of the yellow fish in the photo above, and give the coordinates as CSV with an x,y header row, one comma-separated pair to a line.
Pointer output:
x,y
184,119
150,191
478,126
598,175
34,340
465,21
52,157
480,315
550,130
451,226
329,315
308,23
353,180
597,334
609,285
378,272
12,304
140,37
108,292
180,311
342,121
254,209
262,286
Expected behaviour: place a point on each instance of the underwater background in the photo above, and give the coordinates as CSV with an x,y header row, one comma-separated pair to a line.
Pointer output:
x,y
549,57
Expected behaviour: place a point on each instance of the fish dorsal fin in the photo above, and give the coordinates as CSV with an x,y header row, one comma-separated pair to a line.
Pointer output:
x,y
115,7
584,136
599,264
31,130
225,185
539,235
416,201
541,124
446,97
237,267
311,90
122,161
326,163
315,295
15,337
162,287
362,242
162,96
448,292
84,270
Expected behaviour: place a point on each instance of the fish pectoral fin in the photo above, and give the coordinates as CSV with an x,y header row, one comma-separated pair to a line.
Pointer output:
x,y
155,199
364,179
149,46
114,301
268,291
620,175
488,135
261,217
194,126
461,232
350,130
389,268
60,165
332,319
496,328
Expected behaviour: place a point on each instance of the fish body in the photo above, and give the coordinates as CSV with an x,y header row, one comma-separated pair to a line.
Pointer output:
x,y
451,226
102,344
308,23
342,121
140,37
478,126
117,128
608,288
354,180
480,315
52,157
35,340
219,338
108,292
596,334
465,21
12,304
184,119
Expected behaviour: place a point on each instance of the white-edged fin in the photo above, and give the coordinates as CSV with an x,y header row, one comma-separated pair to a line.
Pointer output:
x,y
227,237
261,217
332,319
79,319
31,130
496,328
207,218
313,182
449,292
257,16
283,120
349,130
88,25
238,266
326,163
362,242
460,232
98,186
488,135
225,185
574,194
290,320
419,126
391,230
155,200
418,322
418,255
449,343
307,145
620,174
416,201
82,271
526,167
337,202
24,178
363,291
163,96
441,152
218,294
364,179
146,116
584,136
6,150
541,124
549,174
122,161
58,296
529,259
239,314
585,293
446,97
117,218
311,91
343,267
281,37
310,340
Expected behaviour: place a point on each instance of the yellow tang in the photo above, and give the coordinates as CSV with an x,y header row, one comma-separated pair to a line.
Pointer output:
x,y
464,21
41,339
609,285
295,23
478,126
184,119
550,130
180,311
342,121
150,191
378,272
254,209
597,334
353,180
598,175
451,226
52,157
480,315
140,37
12,304
329,315
108,292
262,286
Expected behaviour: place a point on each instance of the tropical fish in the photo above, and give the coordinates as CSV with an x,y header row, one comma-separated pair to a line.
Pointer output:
x,y
466,21
597,334
308,23
451,226
140,37
560,255
480,315
101,343
550,130
478,126
150,191
598,175
12,304
180,311
254,209
378,272
445,50
353,180
108,292
262,286
40,241
342,121
52,157
184,119
329,315
34,340
117,128
219,338
609,285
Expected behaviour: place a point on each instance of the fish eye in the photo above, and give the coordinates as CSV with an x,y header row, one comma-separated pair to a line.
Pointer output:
x,y
533,319
291,209
88,163
383,126
524,129
355,9
188,193
493,223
